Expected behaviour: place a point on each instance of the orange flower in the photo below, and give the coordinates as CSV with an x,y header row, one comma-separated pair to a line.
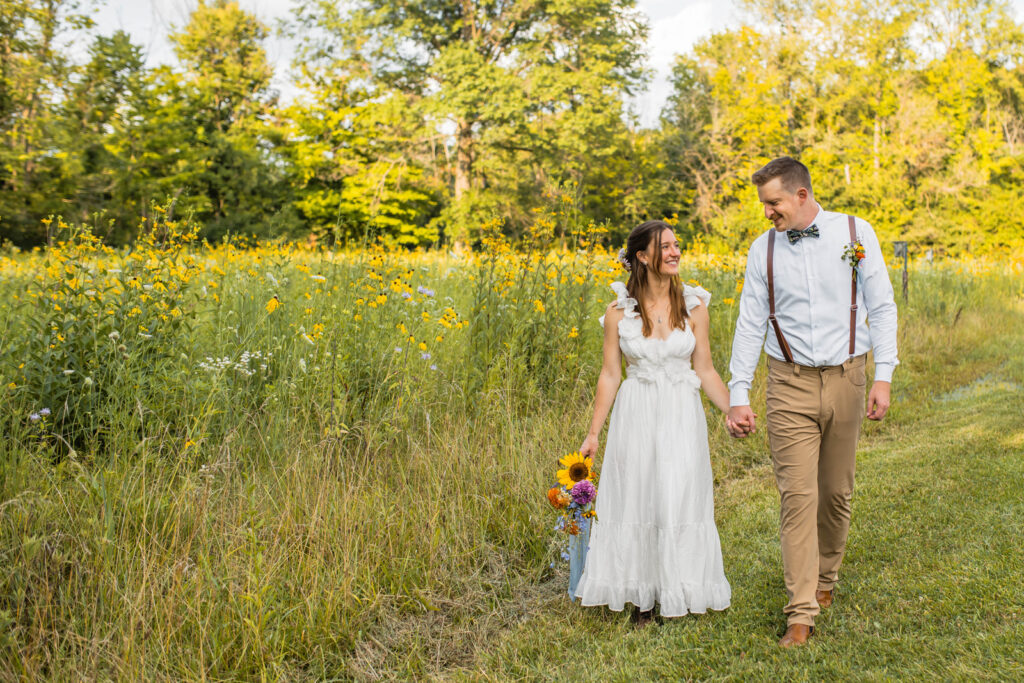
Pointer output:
x,y
558,497
572,528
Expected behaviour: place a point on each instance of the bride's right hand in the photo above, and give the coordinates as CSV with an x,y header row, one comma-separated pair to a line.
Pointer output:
x,y
589,447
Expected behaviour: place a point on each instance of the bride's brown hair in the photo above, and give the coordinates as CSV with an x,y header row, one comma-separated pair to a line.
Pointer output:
x,y
639,239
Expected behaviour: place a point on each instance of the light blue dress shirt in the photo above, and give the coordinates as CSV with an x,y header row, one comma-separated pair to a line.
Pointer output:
x,y
812,303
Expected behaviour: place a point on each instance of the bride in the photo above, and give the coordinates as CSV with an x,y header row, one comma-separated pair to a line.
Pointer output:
x,y
655,538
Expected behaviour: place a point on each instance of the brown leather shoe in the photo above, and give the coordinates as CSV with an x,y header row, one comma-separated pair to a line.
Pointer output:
x,y
796,634
824,598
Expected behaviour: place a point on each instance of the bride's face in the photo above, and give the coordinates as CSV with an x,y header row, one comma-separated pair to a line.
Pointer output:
x,y
669,261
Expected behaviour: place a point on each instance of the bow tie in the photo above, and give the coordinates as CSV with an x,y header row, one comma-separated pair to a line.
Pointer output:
x,y
795,235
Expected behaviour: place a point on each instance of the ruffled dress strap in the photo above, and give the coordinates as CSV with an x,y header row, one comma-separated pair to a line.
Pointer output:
x,y
624,301
695,295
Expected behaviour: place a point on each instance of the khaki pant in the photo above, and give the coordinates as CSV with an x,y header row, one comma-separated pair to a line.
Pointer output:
x,y
814,417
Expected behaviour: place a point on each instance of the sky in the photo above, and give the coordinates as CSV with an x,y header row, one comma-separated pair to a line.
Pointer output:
x,y
675,25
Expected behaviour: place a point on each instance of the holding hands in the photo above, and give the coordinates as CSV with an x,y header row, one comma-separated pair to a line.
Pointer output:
x,y
741,421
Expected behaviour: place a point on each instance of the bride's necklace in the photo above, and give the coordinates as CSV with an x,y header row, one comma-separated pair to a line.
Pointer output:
x,y
657,313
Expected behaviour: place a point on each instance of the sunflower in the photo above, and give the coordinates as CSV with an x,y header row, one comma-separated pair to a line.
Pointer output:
x,y
577,468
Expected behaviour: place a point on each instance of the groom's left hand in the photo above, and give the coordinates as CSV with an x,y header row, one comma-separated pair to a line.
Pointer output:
x,y
878,400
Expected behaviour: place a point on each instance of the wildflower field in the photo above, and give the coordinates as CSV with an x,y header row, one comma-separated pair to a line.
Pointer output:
x,y
285,461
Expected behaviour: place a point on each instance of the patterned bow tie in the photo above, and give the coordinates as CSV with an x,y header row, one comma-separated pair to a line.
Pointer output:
x,y
795,235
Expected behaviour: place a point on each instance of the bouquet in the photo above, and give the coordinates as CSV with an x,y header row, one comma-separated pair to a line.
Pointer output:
x,y
573,499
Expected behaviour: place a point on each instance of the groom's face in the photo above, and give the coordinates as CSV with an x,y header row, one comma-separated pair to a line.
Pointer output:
x,y
783,208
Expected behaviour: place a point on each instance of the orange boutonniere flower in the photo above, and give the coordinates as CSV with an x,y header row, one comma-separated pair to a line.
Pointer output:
x,y
854,254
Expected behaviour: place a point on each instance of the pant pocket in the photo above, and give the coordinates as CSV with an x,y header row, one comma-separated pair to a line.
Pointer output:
x,y
857,375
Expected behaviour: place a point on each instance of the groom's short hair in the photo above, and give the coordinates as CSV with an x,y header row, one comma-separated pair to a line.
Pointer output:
x,y
794,175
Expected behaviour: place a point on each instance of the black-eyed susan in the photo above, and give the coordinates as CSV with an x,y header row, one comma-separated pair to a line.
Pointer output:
x,y
577,468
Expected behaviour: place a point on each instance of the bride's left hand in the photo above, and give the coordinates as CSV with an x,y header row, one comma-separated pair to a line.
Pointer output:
x,y
589,446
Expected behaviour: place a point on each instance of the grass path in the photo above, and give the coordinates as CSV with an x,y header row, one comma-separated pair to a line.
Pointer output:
x,y
931,585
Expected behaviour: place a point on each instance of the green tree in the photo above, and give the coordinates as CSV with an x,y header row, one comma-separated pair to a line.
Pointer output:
x,y
487,80
100,115
728,114
921,137
34,73
354,171
231,175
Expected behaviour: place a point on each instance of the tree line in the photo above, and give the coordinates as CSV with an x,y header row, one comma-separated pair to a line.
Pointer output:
x,y
424,120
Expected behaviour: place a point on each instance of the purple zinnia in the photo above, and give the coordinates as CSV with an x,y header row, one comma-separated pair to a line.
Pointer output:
x,y
583,492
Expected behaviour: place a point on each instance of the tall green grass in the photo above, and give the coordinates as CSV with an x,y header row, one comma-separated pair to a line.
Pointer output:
x,y
300,493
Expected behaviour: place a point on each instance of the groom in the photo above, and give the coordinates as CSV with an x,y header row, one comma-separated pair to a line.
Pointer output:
x,y
803,291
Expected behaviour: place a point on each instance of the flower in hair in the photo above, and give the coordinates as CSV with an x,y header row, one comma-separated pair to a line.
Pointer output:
x,y
624,260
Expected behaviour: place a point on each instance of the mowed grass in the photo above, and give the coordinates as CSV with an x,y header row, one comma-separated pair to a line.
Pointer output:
x,y
930,588
356,514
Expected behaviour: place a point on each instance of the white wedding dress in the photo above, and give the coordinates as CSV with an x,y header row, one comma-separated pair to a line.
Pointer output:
x,y
655,538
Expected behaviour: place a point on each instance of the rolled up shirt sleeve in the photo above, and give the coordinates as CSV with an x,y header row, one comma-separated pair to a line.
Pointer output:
x,y
748,340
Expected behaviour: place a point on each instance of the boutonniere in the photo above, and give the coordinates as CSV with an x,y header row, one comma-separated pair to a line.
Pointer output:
x,y
854,254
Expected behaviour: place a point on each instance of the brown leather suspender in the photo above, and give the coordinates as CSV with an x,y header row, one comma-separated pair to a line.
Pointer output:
x,y
853,295
771,297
